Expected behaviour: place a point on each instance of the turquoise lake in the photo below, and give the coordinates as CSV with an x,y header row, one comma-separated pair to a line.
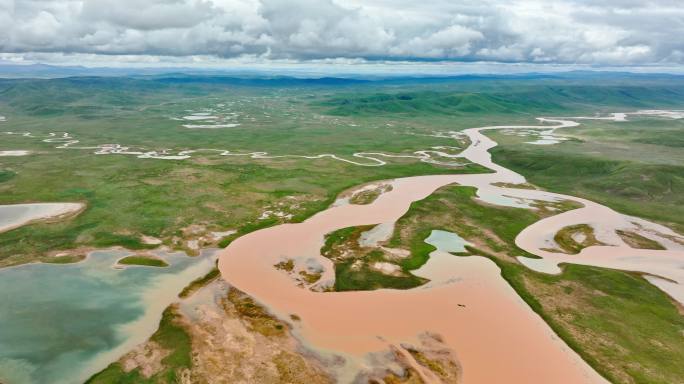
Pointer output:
x,y
63,323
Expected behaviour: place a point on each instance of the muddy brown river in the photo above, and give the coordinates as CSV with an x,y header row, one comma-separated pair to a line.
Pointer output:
x,y
496,337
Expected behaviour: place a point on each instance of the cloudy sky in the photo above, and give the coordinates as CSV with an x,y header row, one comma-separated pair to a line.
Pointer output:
x,y
553,32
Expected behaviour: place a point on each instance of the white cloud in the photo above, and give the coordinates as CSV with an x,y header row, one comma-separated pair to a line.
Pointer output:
x,y
451,42
615,32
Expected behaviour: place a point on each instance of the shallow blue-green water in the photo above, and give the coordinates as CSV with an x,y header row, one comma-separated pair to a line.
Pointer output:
x,y
62,323
446,241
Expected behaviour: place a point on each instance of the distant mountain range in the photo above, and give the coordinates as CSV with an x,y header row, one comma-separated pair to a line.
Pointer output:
x,y
266,77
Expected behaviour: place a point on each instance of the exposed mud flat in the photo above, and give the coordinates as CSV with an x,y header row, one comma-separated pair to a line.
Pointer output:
x,y
236,341
14,153
376,235
16,215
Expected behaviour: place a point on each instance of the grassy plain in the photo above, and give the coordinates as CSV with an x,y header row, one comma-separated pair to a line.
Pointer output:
x,y
128,197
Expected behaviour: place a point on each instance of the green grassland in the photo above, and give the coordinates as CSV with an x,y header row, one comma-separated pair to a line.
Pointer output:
x,y
505,98
626,328
128,197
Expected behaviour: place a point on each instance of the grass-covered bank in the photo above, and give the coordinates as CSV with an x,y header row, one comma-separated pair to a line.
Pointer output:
x,y
650,191
626,328
199,283
454,209
143,260
635,167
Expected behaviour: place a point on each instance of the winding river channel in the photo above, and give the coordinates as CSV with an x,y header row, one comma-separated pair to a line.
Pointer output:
x,y
496,337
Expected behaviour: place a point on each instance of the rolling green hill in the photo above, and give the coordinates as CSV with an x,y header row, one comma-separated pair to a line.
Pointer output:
x,y
540,99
